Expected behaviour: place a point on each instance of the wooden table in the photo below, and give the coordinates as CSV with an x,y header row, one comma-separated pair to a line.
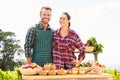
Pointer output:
x,y
69,77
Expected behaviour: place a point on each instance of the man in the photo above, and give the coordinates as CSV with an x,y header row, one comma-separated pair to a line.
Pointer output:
x,y
38,42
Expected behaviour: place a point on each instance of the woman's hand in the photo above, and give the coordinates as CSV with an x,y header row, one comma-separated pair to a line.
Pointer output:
x,y
76,63
73,62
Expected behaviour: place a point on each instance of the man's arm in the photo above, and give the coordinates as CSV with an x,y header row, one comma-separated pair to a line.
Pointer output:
x,y
29,40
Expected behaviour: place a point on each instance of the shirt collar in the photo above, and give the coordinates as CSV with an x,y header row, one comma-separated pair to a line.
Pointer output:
x,y
58,31
41,27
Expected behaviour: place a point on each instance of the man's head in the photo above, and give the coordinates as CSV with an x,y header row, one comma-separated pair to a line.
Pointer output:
x,y
45,14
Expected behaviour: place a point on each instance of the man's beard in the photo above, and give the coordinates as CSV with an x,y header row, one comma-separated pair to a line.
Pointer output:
x,y
45,21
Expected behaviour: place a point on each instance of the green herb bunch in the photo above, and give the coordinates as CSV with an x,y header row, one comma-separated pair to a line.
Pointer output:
x,y
98,47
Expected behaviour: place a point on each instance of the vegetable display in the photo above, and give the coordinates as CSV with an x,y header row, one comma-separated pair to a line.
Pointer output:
x,y
98,47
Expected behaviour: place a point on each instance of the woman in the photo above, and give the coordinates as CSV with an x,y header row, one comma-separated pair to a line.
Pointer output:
x,y
65,41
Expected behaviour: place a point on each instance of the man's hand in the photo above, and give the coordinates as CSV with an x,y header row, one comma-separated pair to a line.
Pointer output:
x,y
28,59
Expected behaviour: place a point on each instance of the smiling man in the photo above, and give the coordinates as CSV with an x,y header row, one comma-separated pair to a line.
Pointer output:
x,y
39,39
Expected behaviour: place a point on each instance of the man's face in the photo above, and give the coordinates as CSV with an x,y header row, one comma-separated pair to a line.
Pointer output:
x,y
45,16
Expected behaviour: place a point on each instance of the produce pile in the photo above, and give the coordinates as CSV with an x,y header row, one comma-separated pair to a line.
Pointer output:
x,y
50,69
93,67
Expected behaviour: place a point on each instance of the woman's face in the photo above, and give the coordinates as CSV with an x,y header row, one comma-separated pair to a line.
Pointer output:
x,y
64,20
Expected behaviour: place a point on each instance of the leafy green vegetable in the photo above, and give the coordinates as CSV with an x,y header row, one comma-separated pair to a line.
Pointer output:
x,y
98,47
10,75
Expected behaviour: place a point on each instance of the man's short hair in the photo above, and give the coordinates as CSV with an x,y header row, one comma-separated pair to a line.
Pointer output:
x,y
45,7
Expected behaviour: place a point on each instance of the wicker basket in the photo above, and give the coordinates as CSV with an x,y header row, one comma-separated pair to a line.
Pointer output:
x,y
61,72
89,48
52,72
43,72
97,70
29,71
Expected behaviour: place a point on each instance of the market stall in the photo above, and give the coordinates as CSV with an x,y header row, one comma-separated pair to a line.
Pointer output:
x,y
49,72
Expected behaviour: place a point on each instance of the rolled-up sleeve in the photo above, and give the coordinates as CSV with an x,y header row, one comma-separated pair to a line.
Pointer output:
x,y
80,46
29,41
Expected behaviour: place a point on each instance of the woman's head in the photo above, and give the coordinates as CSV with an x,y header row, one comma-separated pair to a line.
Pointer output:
x,y
65,19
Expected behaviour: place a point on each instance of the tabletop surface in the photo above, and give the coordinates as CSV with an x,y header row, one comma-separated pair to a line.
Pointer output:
x,y
99,76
